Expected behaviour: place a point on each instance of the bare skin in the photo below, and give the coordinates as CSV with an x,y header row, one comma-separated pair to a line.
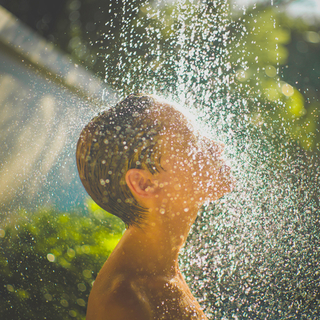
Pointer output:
x,y
141,279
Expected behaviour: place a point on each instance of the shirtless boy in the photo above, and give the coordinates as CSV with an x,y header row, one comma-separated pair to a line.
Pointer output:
x,y
144,162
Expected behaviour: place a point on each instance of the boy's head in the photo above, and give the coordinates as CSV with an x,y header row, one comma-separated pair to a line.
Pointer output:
x,y
142,132
119,139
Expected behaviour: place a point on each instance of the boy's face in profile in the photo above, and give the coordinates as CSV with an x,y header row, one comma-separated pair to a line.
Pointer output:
x,y
145,155
192,163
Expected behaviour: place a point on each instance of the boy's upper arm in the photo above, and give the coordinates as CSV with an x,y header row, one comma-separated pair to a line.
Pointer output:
x,y
126,302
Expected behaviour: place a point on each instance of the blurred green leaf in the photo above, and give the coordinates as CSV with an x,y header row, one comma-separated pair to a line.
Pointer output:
x,y
49,260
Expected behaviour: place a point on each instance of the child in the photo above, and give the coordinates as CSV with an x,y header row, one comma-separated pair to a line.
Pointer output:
x,y
144,162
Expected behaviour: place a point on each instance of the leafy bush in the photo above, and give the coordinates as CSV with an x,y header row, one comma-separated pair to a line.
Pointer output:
x,y
49,260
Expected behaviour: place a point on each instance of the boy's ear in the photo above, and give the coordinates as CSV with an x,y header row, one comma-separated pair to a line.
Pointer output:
x,y
140,183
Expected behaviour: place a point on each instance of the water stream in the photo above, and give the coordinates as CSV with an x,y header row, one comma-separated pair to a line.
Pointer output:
x,y
253,254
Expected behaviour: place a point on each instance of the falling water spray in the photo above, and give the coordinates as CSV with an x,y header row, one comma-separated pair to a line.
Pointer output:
x,y
253,254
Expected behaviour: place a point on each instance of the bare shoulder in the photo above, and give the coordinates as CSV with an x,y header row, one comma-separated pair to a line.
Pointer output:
x,y
120,299
175,301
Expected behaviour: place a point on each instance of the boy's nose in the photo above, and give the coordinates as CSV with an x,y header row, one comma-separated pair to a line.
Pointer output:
x,y
214,147
218,148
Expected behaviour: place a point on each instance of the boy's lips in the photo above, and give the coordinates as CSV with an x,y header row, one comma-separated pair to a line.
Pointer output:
x,y
215,151
225,174
222,164
224,169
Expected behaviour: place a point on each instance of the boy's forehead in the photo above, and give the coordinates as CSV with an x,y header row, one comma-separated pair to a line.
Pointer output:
x,y
180,119
175,117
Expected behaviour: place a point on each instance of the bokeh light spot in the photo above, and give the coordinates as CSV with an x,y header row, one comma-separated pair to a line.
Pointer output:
x,y
287,90
10,288
312,37
48,296
71,253
72,313
81,302
87,273
271,71
51,257
64,303
82,287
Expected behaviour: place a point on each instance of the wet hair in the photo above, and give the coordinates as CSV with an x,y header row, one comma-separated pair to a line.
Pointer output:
x,y
121,138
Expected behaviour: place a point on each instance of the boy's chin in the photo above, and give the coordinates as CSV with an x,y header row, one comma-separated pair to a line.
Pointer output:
x,y
222,189
212,191
226,181
230,184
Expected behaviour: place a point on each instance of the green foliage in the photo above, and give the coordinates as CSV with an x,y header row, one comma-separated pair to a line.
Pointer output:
x,y
267,51
49,260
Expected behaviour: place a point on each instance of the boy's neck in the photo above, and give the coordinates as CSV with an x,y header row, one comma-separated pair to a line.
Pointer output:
x,y
154,249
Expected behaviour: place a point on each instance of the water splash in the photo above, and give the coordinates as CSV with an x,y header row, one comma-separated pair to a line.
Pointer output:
x,y
254,253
